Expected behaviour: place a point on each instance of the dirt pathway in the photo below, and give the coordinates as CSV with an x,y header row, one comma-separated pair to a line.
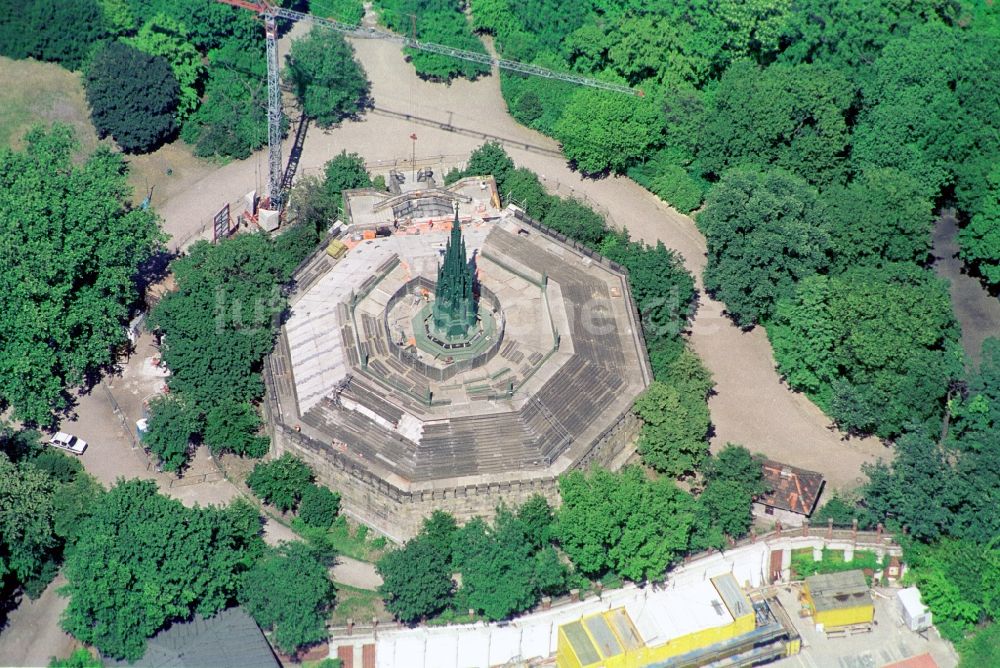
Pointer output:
x,y
977,311
32,635
752,406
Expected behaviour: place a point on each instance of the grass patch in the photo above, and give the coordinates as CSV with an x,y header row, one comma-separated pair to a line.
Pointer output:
x,y
346,537
804,566
32,92
361,605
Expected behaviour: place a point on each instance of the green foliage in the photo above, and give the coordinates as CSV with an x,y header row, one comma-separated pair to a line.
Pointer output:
x,y
232,119
417,578
438,21
343,172
603,131
832,561
171,424
959,581
614,521
505,567
72,503
133,97
26,519
61,467
849,34
662,288
226,292
980,239
734,478
875,348
577,221
675,429
677,188
65,31
793,117
328,80
882,215
762,239
289,593
982,649
319,506
310,205
345,11
232,426
496,566
72,245
843,510
281,482
81,658
910,111
947,489
143,560
490,159
164,36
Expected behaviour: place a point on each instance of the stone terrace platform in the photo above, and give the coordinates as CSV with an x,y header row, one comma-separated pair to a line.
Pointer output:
x,y
553,393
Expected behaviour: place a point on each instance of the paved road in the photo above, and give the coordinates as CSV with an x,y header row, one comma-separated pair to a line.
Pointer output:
x,y
751,406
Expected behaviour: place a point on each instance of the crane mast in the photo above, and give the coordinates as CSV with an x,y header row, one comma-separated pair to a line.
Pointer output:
x,y
271,13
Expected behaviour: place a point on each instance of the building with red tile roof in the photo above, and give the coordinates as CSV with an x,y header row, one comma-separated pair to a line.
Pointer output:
x,y
792,496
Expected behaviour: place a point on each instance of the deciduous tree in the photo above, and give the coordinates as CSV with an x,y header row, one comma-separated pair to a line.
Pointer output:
x,y
614,521
328,80
762,239
289,592
133,97
281,482
72,247
143,560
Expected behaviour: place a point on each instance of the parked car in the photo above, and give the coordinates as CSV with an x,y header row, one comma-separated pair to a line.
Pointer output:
x,y
68,442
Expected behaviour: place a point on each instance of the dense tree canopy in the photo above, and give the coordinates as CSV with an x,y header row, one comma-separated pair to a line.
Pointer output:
x,y
328,80
232,119
790,116
674,438
613,522
65,31
980,239
762,239
289,592
417,578
227,292
133,97
875,347
165,36
438,21
71,249
143,560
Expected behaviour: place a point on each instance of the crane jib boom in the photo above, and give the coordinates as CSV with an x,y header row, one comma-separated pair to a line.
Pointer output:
x,y
271,13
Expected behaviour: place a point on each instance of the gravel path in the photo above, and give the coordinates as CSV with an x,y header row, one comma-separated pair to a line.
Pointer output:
x,y
751,406
976,310
32,635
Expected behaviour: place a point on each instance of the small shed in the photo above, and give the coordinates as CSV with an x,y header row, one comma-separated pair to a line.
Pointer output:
x,y
916,616
839,599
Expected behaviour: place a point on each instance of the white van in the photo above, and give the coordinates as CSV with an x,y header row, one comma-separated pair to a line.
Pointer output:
x,y
69,443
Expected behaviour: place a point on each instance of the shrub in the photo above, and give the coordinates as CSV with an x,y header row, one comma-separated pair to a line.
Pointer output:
x,y
676,187
319,506
280,482
132,96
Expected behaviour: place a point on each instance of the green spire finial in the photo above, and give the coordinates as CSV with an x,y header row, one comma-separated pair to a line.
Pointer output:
x,y
454,305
